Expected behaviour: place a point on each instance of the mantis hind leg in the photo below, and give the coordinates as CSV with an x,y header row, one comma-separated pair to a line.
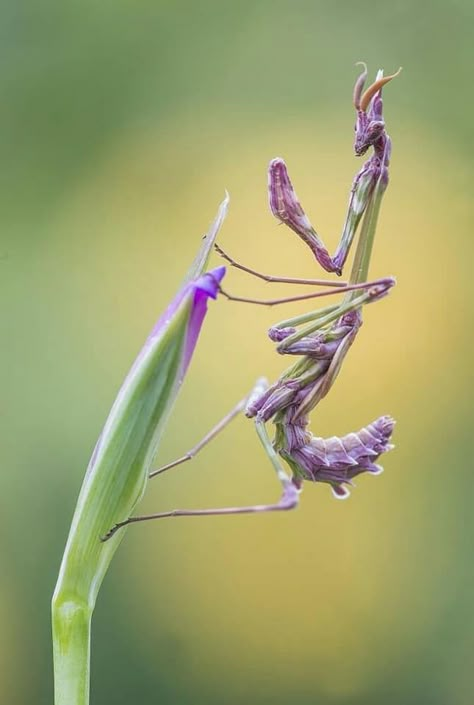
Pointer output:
x,y
289,497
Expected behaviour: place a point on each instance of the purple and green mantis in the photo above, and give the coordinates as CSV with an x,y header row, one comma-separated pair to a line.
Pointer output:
x,y
320,339
122,461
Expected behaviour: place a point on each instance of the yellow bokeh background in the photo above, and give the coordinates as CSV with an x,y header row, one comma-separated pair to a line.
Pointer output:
x,y
123,125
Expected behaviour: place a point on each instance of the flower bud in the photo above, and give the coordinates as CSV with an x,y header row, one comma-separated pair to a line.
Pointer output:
x,y
118,470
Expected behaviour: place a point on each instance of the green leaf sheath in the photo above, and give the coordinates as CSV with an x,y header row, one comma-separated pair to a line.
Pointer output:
x,y
113,485
117,475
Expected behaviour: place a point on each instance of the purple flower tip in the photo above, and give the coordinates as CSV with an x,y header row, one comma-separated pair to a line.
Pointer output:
x,y
209,282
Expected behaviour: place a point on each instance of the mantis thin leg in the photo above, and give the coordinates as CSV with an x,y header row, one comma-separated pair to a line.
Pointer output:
x,y
288,500
278,280
259,388
303,297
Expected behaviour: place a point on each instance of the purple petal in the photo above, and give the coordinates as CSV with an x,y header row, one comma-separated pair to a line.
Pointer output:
x,y
196,293
204,287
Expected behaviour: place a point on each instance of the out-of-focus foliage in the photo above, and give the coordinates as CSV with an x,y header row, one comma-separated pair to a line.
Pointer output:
x,y
121,125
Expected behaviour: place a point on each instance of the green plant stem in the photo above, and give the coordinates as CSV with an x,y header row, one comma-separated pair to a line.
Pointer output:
x,y
71,640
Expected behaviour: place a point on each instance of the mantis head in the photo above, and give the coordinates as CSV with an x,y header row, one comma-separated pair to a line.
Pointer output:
x,y
370,126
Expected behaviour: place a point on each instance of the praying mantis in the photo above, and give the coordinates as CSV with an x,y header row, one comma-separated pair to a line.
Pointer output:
x,y
320,339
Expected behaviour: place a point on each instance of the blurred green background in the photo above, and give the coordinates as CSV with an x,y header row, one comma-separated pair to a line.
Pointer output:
x,y
121,124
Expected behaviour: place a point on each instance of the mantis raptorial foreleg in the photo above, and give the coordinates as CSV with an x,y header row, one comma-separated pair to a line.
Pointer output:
x,y
361,193
287,208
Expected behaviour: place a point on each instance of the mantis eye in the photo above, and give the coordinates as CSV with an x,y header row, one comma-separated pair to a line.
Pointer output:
x,y
375,129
